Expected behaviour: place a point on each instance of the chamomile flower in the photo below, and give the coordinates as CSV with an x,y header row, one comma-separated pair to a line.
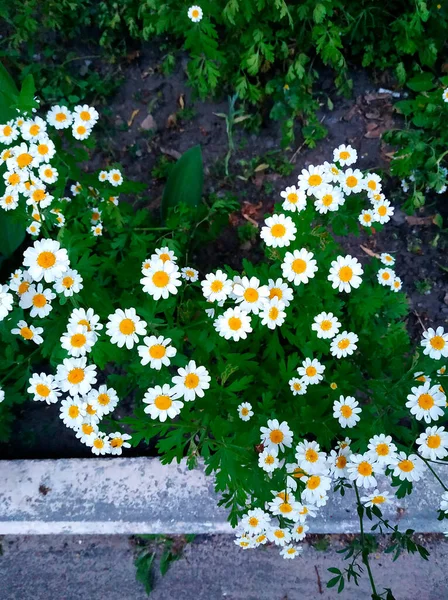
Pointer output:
x,y
80,130
407,468
372,183
48,174
345,155
316,486
279,231
426,402
46,260
234,324
70,283
273,314
362,470
299,266
21,287
397,284
333,172
433,443
33,129
59,117
191,381
102,176
276,435
95,216
117,442
387,259
285,507
157,351
86,431
76,189
8,133
345,273
268,460
366,218
311,458
124,327
294,199
375,198
435,343
445,95
97,229
43,388
75,376
22,159
352,181
28,332
164,254
326,325
280,290
72,412
382,449
216,286
162,403
251,296
295,474
38,300
14,182
4,154
37,195
383,211
337,462
146,265
311,371
77,340
299,532
189,274
312,178
6,301
376,498
86,114
254,521
245,411
88,318
346,411
161,279
386,277
298,386
195,13
115,177
9,201
344,344
104,400
100,444
328,199
43,151
244,542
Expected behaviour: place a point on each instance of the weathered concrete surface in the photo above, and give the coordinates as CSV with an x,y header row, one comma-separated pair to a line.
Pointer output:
x,y
139,495
213,568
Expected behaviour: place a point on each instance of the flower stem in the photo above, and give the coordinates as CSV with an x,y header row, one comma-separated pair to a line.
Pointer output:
x,y
435,474
365,553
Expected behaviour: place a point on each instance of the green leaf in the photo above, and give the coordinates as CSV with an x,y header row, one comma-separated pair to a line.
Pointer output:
x,y
12,234
8,95
26,100
185,181
421,83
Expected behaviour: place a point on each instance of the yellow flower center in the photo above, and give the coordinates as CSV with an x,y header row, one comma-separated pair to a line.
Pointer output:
x,y
325,325
298,266
191,381
76,375
163,402
251,295
98,443
406,465
67,282
103,399
23,287
269,460
90,410
313,482
311,455
346,411
365,469
127,326
314,180
195,13
276,436
273,313
73,412
85,115
78,340
275,293
157,351
116,442
39,300
279,534
351,181
437,342
164,257
285,508
7,130
244,411
23,160
85,323
87,429
378,500
341,461
216,286
117,177
292,198
425,401
343,344
60,117
344,155
371,184
434,441
327,200
26,333
234,323
345,273
43,390
39,195
43,149
46,260
14,179
34,129
311,371
253,521
382,210
382,449
278,230
160,279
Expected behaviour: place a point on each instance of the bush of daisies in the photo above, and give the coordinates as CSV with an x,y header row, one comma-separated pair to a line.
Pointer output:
x,y
293,378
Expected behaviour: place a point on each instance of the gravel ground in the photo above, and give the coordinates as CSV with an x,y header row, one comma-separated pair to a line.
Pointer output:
x,y
100,568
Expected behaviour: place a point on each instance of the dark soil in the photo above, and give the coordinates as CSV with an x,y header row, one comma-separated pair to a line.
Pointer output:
x,y
419,246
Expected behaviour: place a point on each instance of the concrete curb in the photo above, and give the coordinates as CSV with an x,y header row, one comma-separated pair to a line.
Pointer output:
x,y
140,495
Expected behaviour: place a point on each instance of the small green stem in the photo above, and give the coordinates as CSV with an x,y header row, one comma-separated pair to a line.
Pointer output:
x,y
364,554
434,473
19,366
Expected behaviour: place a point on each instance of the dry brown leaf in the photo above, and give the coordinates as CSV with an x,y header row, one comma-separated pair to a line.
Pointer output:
x,y
181,101
369,252
261,167
171,121
169,152
412,220
134,114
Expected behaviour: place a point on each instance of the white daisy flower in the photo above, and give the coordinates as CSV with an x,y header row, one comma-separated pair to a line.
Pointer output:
x,y
376,498
86,114
280,290
115,177
245,411
299,266
43,388
216,286
6,301
80,130
104,400
298,386
337,462
21,287
161,279
333,172
344,344
328,198
279,231
72,412
386,277
295,474
345,273
311,371
76,189
445,95
433,443
43,151
22,159
59,117
382,449
426,402
28,332
161,403
102,176
234,324
86,431
15,182
294,199
46,260
38,196
70,283
280,537
362,470
164,254
345,155
326,325
435,343
311,458
124,327
100,444
387,259
157,351
146,265
276,435
273,314
244,542
34,228
195,13
95,216
316,486
383,211
77,340
254,521
346,411
38,300
299,532
372,183
312,178
118,441
88,318
251,296
409,468
48,174
352,181
8,133
397,284
366,218
97,229
75,377
9,201
190,382
287,508
268,460
189,274
33,130
307,510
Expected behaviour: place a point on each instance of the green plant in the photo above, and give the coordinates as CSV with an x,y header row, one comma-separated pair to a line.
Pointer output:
x,y
232,118
421,156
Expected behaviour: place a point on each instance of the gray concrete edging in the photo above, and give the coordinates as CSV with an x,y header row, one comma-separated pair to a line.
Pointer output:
x,y
140,495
